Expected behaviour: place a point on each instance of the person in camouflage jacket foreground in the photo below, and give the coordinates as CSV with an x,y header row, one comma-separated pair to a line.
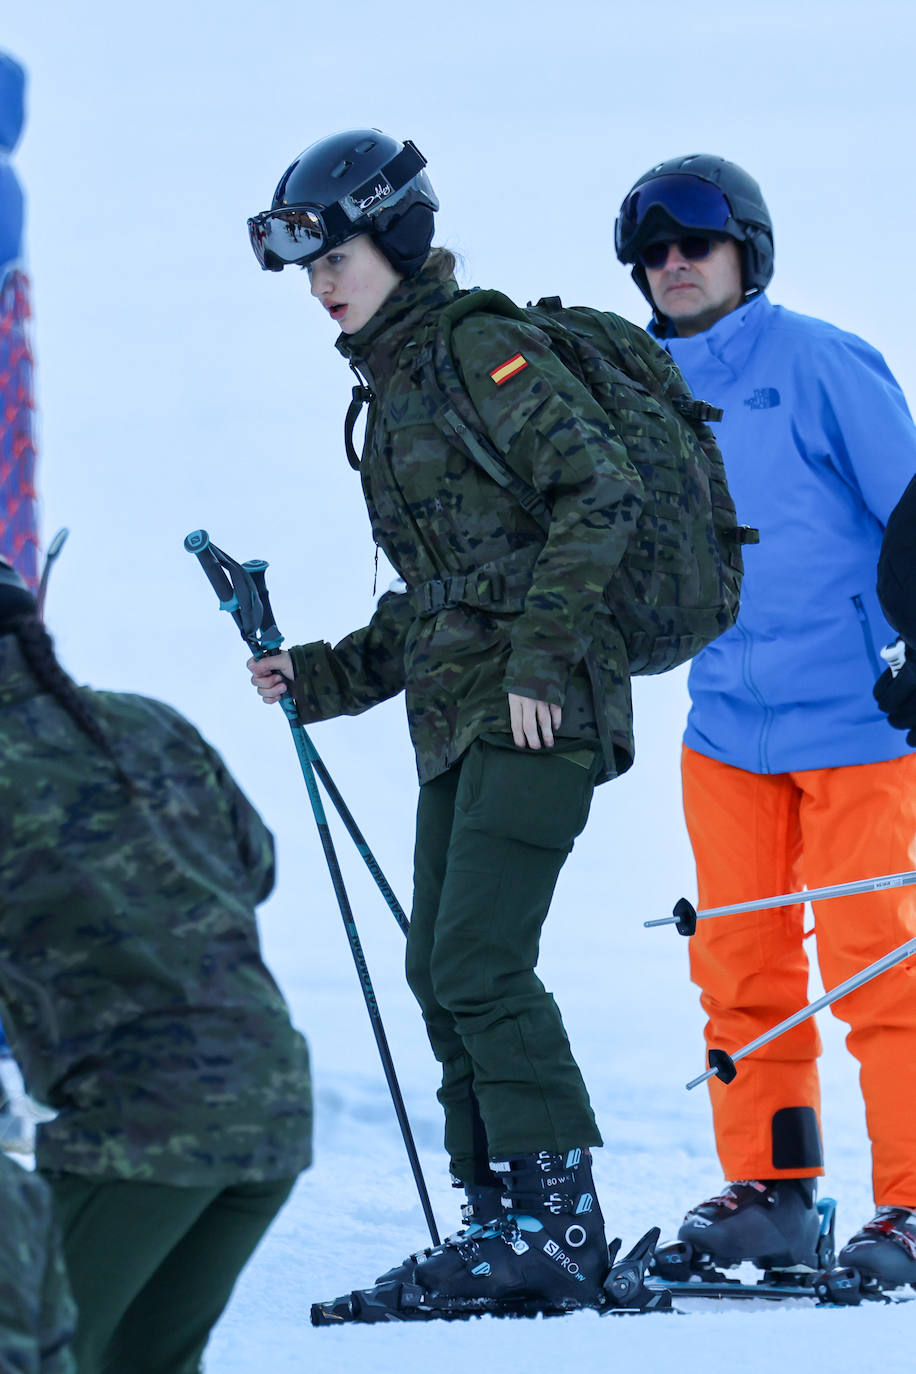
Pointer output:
x,y
37,1315
137,1004
511,731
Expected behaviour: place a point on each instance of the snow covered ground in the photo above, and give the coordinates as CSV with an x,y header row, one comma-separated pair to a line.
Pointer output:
x,y
181,387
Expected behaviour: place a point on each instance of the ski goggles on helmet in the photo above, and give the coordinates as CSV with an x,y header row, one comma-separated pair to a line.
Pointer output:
x,y
294,235
690,201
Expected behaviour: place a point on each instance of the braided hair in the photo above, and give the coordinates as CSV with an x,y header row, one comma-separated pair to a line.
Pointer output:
x,y
37,649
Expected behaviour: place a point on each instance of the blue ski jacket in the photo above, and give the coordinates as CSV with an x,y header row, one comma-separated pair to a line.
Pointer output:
x,y
818,445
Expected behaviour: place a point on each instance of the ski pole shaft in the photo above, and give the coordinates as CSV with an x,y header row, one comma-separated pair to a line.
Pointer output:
x,y
356,836
722,1064
305,751
242,590
271,635
685,915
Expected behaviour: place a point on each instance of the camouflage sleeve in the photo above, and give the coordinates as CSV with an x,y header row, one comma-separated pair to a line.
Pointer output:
x,y
253,840
365,668
554,434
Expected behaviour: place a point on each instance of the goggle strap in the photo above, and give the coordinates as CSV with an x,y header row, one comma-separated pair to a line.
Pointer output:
x,y
404,165
393,177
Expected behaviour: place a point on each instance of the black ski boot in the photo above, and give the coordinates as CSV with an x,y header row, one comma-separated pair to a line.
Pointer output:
x,y
484,1203
885,1248
775,1224
549,1246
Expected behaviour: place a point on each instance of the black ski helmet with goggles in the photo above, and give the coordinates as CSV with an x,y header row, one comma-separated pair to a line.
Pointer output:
x,y
357,182
697,194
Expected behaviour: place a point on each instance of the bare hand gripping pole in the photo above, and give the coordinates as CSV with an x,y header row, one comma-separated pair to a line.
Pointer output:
x,y
722,1065
242,591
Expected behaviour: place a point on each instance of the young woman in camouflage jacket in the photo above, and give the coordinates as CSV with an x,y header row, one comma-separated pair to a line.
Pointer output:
x,y
137,1003
489,641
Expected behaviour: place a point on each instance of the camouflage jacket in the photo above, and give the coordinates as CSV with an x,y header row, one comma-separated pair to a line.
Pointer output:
x,y
528,609
132,987
37,1313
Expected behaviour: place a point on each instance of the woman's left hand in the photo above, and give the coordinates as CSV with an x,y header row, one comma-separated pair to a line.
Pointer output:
x,y
533,722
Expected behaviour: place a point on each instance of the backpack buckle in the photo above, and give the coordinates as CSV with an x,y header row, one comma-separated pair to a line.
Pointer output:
x,y
439,595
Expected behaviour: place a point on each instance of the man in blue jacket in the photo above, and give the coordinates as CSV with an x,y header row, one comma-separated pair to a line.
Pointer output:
x,y
791,774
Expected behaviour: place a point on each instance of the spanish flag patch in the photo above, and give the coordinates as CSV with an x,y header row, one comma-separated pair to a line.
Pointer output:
x,y
508,368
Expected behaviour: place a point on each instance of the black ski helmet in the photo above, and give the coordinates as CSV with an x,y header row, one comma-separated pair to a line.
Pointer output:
x,y
357,182
703,192
15,598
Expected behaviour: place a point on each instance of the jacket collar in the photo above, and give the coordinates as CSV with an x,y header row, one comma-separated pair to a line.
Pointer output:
x,y
374,349
727,345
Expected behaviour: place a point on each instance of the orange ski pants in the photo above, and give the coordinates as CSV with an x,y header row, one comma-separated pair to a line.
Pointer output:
x,y
765,834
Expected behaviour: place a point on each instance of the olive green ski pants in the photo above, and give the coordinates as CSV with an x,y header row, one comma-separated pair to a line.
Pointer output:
x,y
153,1266
492,835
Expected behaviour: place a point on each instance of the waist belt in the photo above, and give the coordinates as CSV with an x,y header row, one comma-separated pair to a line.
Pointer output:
x,y
494,590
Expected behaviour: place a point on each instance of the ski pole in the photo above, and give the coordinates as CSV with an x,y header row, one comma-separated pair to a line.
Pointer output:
x,y
356,835
685,915
258,571
54,548
229,600
242,591
722,1064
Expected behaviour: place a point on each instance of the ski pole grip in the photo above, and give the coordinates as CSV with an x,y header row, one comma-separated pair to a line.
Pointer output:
x,y
198,543
271,638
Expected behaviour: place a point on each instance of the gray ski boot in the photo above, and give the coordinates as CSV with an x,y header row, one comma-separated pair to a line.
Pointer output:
x,y
885,1248
774,1223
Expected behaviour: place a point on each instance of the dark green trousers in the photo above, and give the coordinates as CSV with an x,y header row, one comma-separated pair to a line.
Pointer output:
x,y
492,835
152,1266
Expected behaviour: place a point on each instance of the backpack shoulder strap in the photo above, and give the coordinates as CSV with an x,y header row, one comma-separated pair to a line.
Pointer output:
x,y
455,415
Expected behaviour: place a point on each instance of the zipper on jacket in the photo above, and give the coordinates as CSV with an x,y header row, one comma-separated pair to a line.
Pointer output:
x,y
749,683
866,635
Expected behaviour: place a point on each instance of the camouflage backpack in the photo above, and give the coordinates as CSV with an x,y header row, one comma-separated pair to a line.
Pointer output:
x,y
678,584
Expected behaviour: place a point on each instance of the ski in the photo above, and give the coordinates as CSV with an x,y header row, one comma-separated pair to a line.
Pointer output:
x,y
678,1269
829,1288
646,1280
624,1292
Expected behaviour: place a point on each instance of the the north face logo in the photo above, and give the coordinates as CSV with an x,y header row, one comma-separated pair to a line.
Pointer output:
x,y
764,398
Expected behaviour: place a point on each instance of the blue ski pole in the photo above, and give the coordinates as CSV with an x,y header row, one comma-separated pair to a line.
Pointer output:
x,y
242,591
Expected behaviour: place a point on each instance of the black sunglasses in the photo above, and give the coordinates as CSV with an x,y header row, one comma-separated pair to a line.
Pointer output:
x,y
693,247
